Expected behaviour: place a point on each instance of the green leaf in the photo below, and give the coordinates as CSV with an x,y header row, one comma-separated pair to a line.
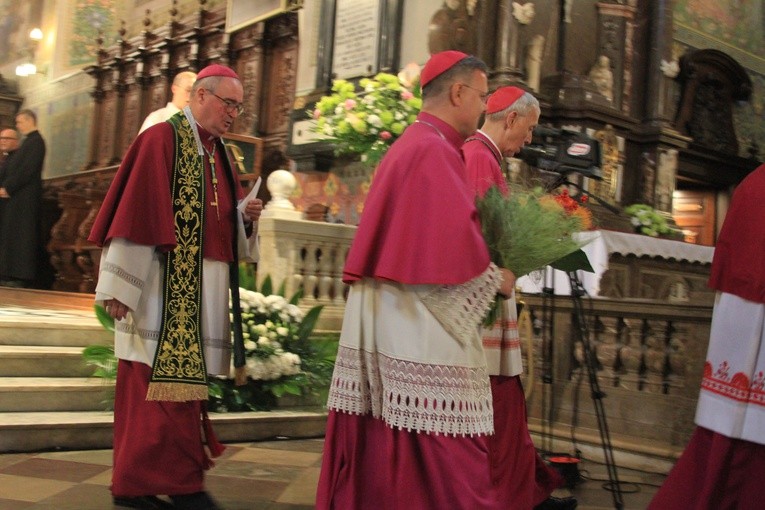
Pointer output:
x,y
267,287
283,289
573,262
247,275
295,299
292,389
309,322
106,320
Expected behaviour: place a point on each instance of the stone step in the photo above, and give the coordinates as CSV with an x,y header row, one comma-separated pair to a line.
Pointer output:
x,y
61,332
27,394
43,431
42,361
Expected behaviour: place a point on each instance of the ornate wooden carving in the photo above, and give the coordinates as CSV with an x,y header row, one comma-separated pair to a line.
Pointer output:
x,y
711,81
132,79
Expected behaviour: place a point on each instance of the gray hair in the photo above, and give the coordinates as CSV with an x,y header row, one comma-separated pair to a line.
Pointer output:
x,y
524,105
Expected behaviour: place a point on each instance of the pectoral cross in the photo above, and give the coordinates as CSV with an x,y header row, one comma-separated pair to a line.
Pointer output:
x,y
211,155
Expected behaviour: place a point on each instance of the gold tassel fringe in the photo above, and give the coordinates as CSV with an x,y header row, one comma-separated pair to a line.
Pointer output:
x,y
176,392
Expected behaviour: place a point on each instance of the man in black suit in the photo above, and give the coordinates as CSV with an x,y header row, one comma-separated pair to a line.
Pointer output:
x,y
20,198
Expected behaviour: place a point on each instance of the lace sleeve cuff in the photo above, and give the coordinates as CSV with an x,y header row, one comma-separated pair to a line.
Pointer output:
x,y
461,308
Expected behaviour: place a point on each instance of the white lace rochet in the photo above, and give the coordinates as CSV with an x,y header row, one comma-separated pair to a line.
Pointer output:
x,y
385,367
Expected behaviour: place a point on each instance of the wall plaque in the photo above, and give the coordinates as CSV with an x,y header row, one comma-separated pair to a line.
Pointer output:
x,y
357,35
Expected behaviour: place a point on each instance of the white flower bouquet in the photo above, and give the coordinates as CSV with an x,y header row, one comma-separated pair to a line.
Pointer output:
x,y
280,358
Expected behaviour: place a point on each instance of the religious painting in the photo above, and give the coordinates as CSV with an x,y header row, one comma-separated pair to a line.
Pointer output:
x,y
739,23
17,20
245,153
81,23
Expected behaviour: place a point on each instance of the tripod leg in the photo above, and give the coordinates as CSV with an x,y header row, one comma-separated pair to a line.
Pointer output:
x,y
590,364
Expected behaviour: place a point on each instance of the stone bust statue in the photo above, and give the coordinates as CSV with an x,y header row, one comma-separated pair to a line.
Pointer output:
x,y
602,77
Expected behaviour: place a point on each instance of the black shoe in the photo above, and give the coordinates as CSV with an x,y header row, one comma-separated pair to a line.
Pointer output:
x,y
553,503
196,501
143,502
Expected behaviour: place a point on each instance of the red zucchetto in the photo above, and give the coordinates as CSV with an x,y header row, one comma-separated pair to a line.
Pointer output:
x,y
217,70
503,98
438,64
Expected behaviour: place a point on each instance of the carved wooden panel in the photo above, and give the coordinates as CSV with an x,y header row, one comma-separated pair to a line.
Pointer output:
x,y
711,82
281,69
106,129
132,117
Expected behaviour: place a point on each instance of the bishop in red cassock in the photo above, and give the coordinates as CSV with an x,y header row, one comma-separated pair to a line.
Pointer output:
x,y
518,472
410,404
168,228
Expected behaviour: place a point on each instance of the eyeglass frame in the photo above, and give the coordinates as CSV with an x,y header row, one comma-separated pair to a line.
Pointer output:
x,y
483,95
230,106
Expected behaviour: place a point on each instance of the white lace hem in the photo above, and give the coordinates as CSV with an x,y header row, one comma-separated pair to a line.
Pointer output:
x,y
419,397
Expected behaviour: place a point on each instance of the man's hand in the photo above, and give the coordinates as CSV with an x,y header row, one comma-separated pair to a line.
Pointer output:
x,y
4,193
508,282
116,309
253,209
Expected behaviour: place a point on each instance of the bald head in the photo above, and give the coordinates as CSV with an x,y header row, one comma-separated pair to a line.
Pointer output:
x,y
181,88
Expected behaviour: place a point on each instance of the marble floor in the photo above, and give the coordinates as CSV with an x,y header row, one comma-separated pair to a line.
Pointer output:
x,y
269,475
266,475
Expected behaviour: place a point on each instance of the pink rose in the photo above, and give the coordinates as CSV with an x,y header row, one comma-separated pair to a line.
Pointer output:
x,y
316,113
385,135
350,104
405,95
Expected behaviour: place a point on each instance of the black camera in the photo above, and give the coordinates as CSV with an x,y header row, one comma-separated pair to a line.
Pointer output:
x,y
563,151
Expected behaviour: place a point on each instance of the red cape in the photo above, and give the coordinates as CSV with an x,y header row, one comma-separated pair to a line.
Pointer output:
x,y
138,206
143,178
738,266
420,224
482,159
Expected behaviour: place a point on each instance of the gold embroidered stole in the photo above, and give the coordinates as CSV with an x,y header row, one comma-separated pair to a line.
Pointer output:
x,y
179,372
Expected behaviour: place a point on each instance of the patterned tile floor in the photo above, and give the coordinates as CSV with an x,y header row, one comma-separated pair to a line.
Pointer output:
x,y
271,475
276,475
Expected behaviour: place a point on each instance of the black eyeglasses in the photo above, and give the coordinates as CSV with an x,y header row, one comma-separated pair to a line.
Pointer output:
x,y
231,106
483,95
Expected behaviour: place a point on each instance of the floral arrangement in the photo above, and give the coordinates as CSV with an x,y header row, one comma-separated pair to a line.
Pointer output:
x,y
281,359
367,122
648,221
530,229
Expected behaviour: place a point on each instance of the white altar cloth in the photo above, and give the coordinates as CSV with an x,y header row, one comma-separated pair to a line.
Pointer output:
x,y
600,245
